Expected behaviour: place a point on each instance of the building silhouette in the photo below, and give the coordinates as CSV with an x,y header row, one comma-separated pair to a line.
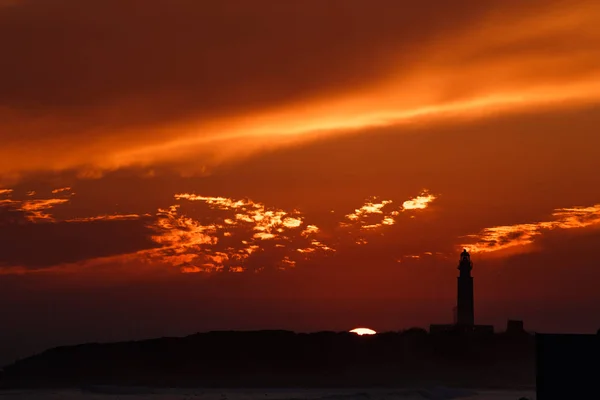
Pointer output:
x,y
465,308
514,327
567,366
464,312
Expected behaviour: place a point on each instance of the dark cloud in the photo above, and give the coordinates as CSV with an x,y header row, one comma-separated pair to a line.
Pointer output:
x,y
101,85
184,55
38,245
559,273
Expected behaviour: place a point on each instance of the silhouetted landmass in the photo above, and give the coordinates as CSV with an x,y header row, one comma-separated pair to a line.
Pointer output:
x,y
286,359
568,367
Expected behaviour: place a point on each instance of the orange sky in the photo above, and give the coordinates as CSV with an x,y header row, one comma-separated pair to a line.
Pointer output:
x,y
174,166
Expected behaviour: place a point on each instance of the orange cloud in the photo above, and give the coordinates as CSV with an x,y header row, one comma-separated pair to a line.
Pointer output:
x,y
373,215
232,237
287,263
267,223
113,217
507,237
36,210
243,228
309,230
514,59
420,202
180,232
191,270
60,190
367,209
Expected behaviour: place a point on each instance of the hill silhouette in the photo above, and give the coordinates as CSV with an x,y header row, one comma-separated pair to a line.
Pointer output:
x,y
285,359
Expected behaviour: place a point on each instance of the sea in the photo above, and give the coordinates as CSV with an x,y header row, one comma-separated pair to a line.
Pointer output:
x,y
138,393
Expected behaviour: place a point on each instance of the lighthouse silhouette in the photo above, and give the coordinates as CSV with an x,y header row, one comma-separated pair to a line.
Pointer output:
x,y
465,309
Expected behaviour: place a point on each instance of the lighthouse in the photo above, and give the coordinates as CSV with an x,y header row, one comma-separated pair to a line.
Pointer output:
x,y
464,312
465,308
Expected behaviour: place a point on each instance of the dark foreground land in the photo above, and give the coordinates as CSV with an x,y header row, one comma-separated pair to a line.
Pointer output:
x,y
285,359
567,366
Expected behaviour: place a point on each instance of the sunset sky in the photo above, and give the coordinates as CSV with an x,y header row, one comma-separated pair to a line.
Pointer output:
x,y
174,166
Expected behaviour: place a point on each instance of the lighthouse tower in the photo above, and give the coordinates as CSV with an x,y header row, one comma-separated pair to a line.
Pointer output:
x,y
465,310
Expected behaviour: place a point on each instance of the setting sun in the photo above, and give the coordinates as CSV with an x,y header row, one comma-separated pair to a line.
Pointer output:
x,y
363,331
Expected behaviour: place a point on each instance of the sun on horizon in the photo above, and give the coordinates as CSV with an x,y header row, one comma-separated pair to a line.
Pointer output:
x,y
363,331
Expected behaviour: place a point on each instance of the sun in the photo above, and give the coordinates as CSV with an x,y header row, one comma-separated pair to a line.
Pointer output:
x,y
363,331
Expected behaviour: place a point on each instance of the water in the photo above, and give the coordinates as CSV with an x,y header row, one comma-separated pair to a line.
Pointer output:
x,y
115,393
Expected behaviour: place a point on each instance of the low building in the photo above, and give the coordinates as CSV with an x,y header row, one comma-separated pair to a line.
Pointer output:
x,y
515,327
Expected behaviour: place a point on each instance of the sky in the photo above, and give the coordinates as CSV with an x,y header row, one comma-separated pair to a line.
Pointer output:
x,y
175,166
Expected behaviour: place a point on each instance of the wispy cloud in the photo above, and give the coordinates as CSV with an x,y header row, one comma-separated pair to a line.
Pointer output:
x,y
310,230
33,209
207,234
266,223
237,231
60,190
375,214
371,208
420,202
424,254
112,217
445,76
38,210
511,236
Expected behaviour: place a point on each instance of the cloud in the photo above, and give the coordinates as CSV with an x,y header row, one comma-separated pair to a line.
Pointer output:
x,y
34,238
309,230
373,214
60,190
519,236
113,217
36,209
369,208
420,202
265,221
42,245
208,234
199,234
236,232
235,235
32,210
174,92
